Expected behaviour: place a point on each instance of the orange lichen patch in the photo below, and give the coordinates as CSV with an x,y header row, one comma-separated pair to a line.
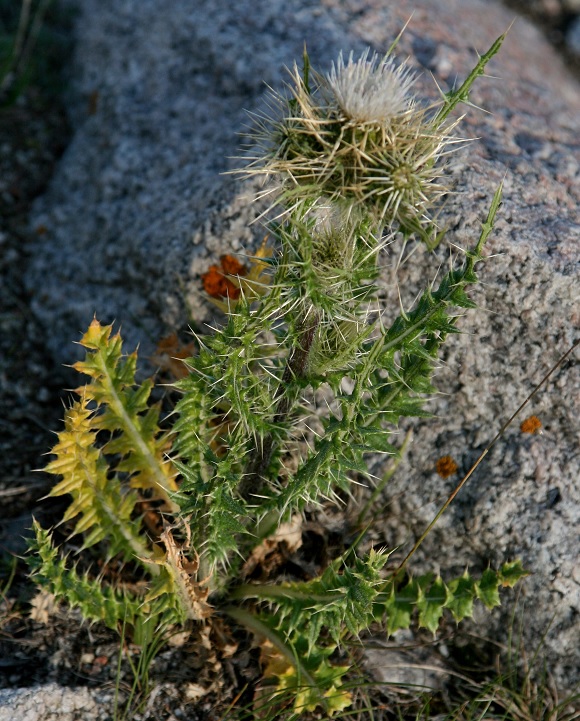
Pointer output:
x,y
225,283
232,266
531,425
216,283
170,353
446,467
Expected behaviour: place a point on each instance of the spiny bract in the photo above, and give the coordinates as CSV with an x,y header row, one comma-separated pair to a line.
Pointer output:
x,y
357,133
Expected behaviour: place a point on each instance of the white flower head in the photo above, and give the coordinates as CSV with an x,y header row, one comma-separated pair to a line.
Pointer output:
x,y
357,134
371,90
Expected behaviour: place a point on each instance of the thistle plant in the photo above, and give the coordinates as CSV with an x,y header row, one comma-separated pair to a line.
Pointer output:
x,y
282,406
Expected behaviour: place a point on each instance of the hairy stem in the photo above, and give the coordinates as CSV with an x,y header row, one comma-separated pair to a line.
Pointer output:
x,y
296,368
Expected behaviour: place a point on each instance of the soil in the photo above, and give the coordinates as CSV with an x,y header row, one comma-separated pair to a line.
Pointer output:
x,y
33,135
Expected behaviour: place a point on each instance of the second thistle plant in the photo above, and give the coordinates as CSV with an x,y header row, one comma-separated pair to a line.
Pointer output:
x,y
354,158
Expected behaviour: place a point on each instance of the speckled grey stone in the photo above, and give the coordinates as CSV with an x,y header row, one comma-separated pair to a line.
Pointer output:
x,y
138,208
49,703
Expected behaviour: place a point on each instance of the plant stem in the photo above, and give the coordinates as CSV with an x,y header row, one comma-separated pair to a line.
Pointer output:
x,y
296,369
270,591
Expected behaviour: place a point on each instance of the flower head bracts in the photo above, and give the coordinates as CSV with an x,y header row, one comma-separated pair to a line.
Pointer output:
x,y
358,134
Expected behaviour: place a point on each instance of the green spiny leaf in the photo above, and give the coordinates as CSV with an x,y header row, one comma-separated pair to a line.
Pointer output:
x,y
511,573
487,588
462,592
123,410
431,605
400,606
96,601
104,507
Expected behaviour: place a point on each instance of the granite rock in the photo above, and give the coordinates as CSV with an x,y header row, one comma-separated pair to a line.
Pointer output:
x,y
138,209
49,703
